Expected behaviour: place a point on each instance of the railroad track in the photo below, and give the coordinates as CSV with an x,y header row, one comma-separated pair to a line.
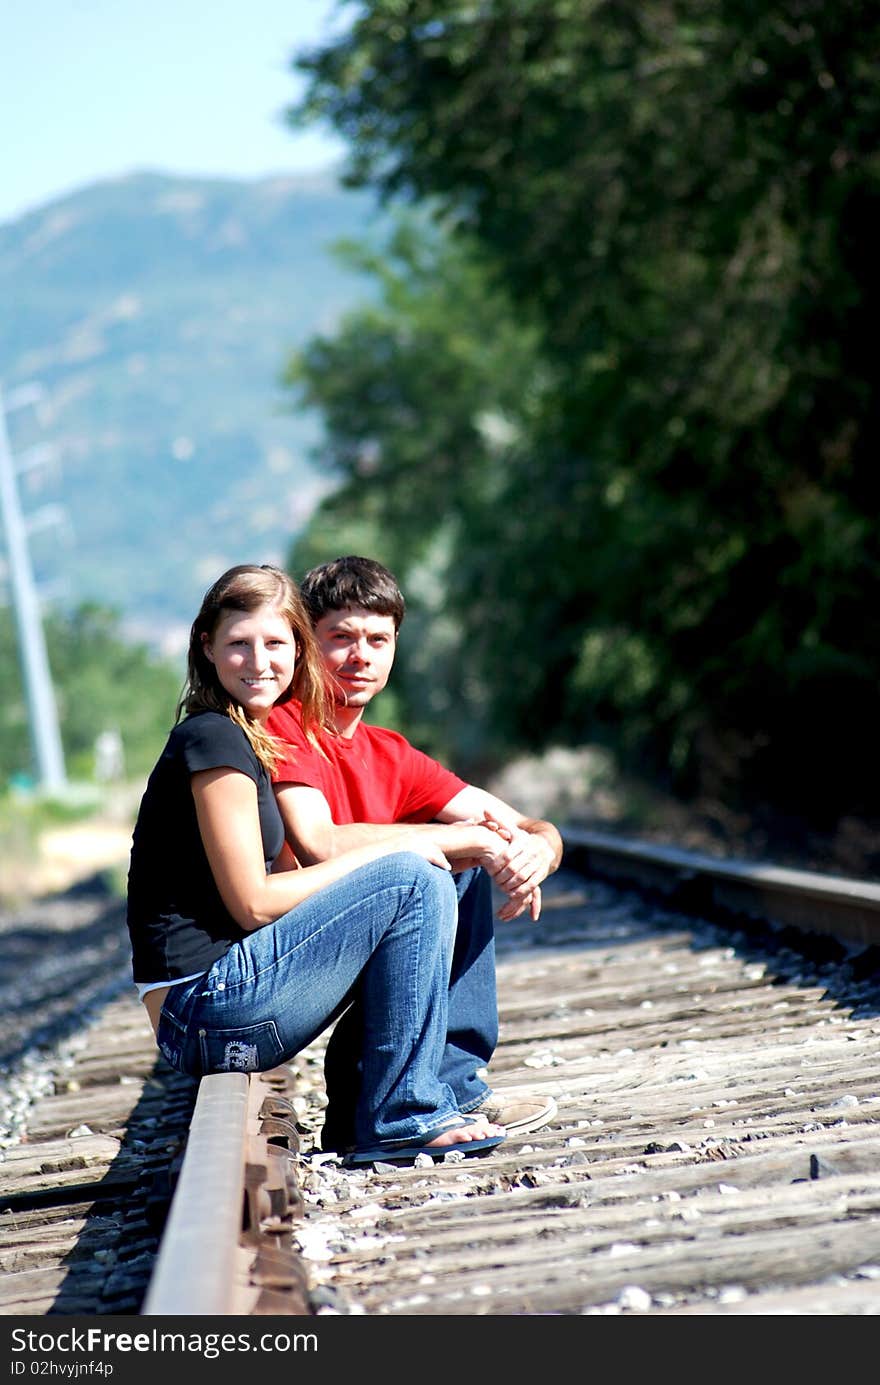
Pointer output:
x,y
711,1035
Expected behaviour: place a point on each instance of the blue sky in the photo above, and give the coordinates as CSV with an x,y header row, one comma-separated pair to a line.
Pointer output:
x,y
92,89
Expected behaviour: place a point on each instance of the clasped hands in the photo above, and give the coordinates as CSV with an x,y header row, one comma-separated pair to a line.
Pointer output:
x,y
516,860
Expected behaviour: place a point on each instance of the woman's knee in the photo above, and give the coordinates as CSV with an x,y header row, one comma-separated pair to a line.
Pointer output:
x,y
431,887
428,878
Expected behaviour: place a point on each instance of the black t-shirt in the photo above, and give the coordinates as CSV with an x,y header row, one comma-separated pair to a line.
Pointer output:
x,y
177,921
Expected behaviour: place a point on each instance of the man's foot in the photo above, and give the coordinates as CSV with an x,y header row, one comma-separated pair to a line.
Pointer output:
x,y
336,1141
517,1114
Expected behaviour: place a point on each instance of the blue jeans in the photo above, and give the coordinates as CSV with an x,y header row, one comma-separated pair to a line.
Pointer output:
x,y
388,928
472,1024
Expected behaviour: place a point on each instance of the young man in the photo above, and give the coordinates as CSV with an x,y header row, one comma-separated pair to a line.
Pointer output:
x,y
367,784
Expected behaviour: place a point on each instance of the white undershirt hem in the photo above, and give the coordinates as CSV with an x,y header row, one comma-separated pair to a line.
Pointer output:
x,y
144,986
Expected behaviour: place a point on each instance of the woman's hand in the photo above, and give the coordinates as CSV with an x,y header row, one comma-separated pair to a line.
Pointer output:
x,y
469,843
423,844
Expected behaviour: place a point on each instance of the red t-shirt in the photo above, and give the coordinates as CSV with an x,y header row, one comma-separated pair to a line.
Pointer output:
x,y
376,776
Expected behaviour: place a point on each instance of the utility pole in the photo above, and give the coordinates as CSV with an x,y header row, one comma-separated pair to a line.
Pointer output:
x,y
42,712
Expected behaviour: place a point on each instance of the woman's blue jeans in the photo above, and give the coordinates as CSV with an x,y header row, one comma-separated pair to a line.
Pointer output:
x,y
390,928
472,1019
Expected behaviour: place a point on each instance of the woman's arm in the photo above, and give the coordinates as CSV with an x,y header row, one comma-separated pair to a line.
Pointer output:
x,y
229,823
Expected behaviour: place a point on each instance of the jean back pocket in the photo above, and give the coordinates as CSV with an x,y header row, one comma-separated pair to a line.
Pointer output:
x,y
244,1048
171,1038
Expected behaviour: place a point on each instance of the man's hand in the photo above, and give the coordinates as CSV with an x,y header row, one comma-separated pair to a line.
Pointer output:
x,y
517,861
518,868
530,849
512,910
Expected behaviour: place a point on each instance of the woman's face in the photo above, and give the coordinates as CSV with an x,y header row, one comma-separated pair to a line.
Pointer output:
x,y
255,656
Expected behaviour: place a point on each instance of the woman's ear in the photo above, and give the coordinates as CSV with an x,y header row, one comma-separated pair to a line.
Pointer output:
x,y
206,647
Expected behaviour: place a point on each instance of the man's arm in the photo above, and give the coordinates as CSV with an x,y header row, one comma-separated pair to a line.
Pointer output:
x,y
314,836
311,831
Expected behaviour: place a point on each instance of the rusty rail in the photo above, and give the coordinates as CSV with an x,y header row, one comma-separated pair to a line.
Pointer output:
x,y
233,1250
226,1248
833,905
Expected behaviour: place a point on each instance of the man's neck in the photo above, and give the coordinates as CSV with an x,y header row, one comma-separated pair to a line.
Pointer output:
x,y
346,720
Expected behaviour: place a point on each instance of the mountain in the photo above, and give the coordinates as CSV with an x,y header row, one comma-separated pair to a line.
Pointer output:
x,y
157,313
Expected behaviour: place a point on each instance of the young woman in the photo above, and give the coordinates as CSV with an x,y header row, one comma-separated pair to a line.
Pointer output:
x,y
241,957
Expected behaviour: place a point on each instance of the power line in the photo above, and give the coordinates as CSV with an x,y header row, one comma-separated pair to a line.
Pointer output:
x,y
42,711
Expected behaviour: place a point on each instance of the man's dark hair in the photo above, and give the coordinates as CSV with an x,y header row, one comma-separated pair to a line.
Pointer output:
x,y
352,581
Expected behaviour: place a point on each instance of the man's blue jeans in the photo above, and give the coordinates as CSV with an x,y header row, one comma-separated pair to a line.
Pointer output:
x,y
472,1025
388,928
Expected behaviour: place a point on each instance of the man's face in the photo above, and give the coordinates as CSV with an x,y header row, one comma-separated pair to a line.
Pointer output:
x,y
358,648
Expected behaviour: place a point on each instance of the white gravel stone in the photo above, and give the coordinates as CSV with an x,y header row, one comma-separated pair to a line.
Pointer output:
x,y
634,1299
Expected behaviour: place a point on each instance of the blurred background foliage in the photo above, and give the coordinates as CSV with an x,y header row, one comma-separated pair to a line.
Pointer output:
x,y
611,414
103,684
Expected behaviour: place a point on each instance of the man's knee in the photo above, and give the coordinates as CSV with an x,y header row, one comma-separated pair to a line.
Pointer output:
x,y
474,888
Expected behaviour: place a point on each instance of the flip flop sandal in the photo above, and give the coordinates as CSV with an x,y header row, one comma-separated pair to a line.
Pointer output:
x,y
405,1151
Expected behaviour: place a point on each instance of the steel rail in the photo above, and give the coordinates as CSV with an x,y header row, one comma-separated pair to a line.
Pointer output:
x,y
226,1248
196,1267
810,901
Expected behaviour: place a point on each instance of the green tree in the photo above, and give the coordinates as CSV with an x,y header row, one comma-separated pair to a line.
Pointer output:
x,y
426,391
102,681
683,199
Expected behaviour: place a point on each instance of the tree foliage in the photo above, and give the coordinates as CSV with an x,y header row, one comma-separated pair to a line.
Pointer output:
x,y
679,546
425,392
102,682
